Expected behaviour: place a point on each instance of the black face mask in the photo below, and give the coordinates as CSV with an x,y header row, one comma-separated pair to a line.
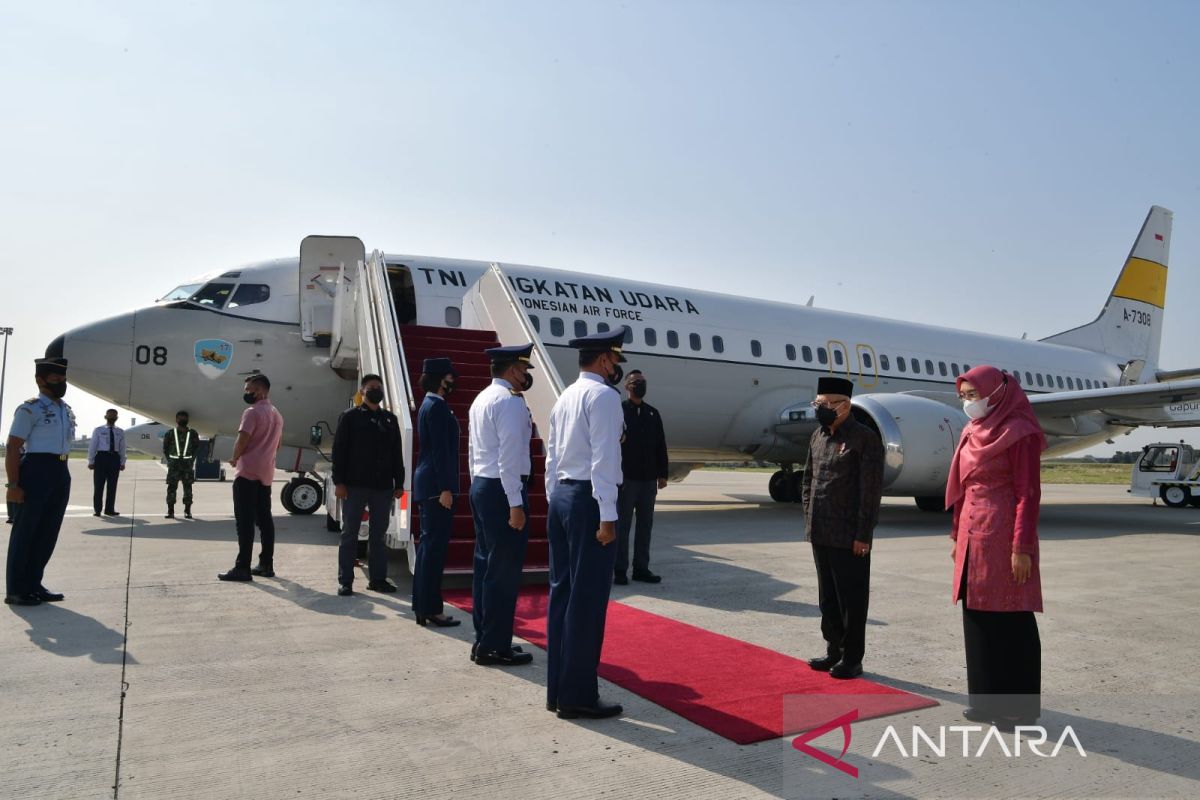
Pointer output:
x,y
250,397
56,390
374,395
826,416
637,389
614,377
181,422
447,389
527,384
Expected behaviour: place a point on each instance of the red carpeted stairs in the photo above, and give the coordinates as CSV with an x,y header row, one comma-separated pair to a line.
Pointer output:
x,y
465,348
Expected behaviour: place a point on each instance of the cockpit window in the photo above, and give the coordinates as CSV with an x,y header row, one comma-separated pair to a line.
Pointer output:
x,y
212,295
180,292
250,293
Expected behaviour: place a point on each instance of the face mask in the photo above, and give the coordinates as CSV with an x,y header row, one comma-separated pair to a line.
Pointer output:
x,y
614,377
250,397
109,422
447,389
527,384
826,416
374,396
976,409
56,390
637,389
181,423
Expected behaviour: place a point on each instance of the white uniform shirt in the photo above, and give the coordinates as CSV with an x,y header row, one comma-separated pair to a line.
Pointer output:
x,y
100,442
499,438
584,443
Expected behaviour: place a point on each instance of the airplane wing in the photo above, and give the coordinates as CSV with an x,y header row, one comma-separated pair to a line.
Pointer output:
x,y
1170,404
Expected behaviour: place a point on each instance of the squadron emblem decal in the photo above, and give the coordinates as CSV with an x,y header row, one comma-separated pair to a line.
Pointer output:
x,y
213,357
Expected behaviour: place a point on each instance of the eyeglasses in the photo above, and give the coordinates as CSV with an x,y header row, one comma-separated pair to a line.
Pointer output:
x,y
970,394
826,404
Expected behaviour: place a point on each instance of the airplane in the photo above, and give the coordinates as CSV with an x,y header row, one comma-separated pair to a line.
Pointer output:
x,y
733,376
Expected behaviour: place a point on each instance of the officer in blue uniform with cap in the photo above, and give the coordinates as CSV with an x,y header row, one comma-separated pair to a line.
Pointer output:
x,y
500,430
39,483
435,483
583,471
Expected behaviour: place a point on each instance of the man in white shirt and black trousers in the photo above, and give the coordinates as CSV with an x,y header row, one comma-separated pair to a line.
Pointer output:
x,y
583,472
106,460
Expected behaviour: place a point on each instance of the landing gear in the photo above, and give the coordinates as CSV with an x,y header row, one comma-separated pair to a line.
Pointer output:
x,y
785,485
301,496
931,503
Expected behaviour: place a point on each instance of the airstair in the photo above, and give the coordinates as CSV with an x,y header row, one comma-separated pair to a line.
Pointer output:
x,y
352,310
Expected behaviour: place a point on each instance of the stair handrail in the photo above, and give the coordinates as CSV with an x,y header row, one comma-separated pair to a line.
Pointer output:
x,y
529,334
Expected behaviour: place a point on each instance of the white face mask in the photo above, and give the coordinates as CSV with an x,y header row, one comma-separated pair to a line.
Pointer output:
x,y
976,409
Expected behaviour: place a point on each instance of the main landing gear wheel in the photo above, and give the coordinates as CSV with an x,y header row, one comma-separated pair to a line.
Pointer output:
x,y
301,496
1175,496
931,503
781,487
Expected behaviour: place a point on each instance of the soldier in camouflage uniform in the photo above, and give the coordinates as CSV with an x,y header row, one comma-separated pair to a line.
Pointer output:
x,y
179,448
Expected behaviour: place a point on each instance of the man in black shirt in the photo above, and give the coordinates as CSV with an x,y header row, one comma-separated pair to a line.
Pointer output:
x,y
644,465
368,472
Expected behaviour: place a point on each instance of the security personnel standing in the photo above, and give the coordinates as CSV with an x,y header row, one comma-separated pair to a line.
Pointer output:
x,y
106,459
583,472
500,430
179,448
38,482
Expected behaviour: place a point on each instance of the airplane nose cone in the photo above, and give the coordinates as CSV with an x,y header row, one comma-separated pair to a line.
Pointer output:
x,y
99,357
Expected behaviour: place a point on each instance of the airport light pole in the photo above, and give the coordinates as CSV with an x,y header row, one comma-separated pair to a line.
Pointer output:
x,y
5,332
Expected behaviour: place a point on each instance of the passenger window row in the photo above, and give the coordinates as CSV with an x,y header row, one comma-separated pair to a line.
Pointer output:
x,y
824,356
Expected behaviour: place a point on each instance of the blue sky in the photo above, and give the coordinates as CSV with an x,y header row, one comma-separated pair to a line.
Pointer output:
x,y
977,165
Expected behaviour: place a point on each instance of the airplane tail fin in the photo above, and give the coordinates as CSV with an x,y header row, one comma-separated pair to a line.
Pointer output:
x,y
1130,324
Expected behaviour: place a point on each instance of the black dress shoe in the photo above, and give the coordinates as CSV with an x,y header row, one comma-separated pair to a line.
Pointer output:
x,y
345,591
236,574
95,513
619,579
598,711
513,658
47,596
975,715
263,570
825,662
387,587
552,707
441,622
844,671
22,600
646,577
112,513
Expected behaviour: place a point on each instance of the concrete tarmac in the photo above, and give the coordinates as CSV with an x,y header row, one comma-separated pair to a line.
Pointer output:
x,y
154,680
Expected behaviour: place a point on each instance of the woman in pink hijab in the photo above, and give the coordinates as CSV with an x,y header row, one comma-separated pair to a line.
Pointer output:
x,y
994,488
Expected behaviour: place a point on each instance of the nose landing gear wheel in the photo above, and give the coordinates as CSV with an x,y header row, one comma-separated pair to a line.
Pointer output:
x,y
301,496
781,488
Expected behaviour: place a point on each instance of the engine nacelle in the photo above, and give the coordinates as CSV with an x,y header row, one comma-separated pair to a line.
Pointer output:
x,y
919,436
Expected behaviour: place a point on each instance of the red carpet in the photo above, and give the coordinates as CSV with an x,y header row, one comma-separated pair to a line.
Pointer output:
x,y
731,687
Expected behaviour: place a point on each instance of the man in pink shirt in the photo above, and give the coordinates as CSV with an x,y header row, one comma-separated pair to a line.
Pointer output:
x,y
254,463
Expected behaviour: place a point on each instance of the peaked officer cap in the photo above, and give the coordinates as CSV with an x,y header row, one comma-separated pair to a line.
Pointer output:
x,y
50,366
601,342
439,366
830,385
511,353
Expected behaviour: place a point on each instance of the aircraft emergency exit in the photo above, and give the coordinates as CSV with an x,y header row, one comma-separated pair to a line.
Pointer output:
x,y
733,376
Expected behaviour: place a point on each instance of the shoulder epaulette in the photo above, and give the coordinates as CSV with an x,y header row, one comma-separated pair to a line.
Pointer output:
x,y
32,400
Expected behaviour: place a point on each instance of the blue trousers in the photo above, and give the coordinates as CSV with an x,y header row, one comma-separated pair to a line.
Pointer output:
x,y
379,502
105,471
581,574
431,558
635,497
499,556
36,522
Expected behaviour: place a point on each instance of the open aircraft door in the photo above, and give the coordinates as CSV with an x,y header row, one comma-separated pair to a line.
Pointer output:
x,y
329,268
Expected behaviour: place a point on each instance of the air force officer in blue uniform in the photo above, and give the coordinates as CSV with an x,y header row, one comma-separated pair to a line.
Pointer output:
x,y
39,484
500,430
583,471
435,483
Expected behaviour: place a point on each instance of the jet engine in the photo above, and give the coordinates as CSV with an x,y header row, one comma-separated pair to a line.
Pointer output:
x,y
919,436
